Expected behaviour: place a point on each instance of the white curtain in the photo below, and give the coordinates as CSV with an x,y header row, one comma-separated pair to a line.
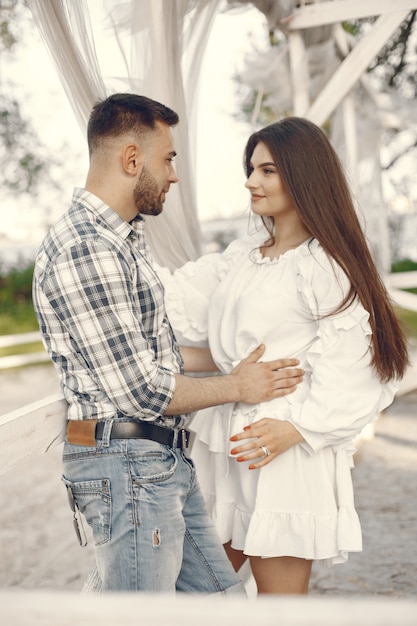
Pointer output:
x,y
150,47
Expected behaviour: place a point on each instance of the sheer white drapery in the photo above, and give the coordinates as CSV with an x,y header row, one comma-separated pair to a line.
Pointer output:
x,y
151,47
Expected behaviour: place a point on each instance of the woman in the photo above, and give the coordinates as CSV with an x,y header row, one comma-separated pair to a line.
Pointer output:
x,y
306,287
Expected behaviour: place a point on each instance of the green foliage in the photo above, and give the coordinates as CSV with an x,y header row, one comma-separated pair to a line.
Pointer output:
x,y
409,319
352,28
16,309
23,348
7,23
22,165
266,114
396,63
18,318
16,286
405,265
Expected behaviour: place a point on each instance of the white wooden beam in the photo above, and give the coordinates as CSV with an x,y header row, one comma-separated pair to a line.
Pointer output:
x,y
300,77
404,299
7,341
29,608
20,360
31,430
402,280
353,66
321,13
351,140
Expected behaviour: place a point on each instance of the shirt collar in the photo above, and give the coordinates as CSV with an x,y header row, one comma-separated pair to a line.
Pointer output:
x,y
138,234
111,218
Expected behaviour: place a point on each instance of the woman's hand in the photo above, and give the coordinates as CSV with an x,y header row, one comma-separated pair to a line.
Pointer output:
x,y
274,436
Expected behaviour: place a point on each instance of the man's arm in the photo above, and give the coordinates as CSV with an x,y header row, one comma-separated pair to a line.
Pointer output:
x,y
250,381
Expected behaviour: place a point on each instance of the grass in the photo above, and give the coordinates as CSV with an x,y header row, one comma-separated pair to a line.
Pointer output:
x,y
409,319
23,348
16,319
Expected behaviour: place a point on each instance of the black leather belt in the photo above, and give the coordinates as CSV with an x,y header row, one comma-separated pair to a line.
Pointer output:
x,y
145,430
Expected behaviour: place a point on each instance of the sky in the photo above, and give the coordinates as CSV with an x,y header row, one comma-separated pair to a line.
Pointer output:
x,y
220,180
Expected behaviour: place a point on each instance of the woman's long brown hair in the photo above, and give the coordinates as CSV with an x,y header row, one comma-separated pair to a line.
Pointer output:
x,y
314,178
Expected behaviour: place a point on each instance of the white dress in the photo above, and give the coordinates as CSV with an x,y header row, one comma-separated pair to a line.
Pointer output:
x,y
301,504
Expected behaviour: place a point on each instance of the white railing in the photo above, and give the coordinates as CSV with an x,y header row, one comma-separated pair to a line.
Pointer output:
x,y
20,360
32,430
56,609
396,283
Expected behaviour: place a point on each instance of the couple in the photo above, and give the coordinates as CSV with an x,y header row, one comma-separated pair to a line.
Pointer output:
x,y
298,324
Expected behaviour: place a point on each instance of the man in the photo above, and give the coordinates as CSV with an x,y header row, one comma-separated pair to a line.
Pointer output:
x,y
101,312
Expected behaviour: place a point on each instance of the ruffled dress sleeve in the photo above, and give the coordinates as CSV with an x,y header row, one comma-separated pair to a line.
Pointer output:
x,y
188,291
345,392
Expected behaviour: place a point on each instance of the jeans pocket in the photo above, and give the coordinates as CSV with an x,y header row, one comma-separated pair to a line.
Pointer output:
x,y
93,498
153,465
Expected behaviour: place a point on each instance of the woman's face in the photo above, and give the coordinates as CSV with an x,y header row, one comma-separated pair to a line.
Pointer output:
x,y
269,196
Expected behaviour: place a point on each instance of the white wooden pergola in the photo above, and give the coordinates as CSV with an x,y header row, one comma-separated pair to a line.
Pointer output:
x,y
391,13
338,91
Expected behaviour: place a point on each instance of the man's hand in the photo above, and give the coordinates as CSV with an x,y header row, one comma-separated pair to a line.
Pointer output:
x,y
274,435
250,382
260,382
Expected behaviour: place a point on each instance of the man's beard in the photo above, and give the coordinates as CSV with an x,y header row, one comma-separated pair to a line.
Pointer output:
x,y
147,195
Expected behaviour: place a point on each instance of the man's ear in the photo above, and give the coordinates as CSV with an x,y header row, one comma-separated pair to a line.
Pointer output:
x,y
132,159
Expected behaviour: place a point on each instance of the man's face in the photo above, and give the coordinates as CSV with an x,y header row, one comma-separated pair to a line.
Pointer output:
x,y
157,174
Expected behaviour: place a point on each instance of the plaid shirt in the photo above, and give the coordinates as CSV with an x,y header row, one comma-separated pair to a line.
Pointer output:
x,y
100,308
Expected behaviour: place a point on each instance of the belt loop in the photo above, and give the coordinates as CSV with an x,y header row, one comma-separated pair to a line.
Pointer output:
x,y
181,439
105,438
174,438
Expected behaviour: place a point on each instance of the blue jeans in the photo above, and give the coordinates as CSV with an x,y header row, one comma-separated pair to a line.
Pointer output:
x,y
150,525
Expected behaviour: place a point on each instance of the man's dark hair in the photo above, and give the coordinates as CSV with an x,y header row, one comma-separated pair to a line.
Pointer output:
x,y
123,113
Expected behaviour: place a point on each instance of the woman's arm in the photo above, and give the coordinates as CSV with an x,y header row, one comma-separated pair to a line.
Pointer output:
x,y
197,359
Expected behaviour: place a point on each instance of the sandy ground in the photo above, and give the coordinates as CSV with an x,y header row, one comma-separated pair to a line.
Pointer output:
x,y
38,548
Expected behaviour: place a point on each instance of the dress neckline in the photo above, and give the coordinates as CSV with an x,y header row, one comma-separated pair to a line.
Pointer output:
x,y
257,256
